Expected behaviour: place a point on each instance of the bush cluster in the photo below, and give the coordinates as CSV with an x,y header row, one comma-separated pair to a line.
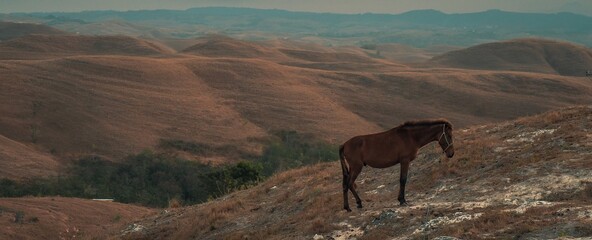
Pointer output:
x,y
147,178
155,180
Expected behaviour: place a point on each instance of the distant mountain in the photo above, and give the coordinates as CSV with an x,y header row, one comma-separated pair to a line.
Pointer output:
x,y
577,7
418,28
532,55
501,19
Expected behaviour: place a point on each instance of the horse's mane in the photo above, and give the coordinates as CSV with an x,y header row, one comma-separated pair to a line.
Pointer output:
x,y
427,122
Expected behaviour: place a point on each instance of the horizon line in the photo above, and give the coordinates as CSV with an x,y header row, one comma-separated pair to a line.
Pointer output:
x,y
294,11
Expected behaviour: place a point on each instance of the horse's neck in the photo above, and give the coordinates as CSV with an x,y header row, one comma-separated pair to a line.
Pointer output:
x,y
425,135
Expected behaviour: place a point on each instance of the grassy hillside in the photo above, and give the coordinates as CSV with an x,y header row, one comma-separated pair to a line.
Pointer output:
x,y
527,178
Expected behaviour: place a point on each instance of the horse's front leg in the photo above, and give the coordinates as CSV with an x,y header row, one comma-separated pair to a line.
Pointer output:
x,y
403,181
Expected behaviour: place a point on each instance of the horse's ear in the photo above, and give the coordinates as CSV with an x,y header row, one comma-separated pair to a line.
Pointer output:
x,y
449,125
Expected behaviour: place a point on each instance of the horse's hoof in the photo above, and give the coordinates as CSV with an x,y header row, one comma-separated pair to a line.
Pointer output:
x,y
347,209
360,206
404,203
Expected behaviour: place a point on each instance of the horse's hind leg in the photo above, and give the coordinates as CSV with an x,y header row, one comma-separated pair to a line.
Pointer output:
x,y
345,189
354,172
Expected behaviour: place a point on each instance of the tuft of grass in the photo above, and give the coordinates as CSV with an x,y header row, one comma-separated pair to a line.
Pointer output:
x,y
320,225
33,219
552,117
283,197
19,217
117,218
218,214
175,203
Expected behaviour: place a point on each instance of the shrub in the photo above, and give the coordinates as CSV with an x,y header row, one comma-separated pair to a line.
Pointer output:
x,y
239,176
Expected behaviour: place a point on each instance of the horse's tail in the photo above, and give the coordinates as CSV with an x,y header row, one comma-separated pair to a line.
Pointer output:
x,y
344,165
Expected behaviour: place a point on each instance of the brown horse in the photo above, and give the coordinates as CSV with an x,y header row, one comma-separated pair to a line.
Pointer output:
x,y
385,149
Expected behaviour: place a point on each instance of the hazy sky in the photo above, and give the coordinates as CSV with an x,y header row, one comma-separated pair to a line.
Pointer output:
x,y
342,6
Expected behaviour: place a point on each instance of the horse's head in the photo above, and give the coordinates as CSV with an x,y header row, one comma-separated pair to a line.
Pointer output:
x,y
445,140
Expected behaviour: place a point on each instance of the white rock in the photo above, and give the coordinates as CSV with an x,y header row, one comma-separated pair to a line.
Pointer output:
x,y
318,237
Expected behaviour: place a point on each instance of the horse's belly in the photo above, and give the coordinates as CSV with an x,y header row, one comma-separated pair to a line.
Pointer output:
x,y
379,164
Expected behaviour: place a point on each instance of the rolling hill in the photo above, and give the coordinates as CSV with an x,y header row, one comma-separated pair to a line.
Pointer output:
x,y
526,178
527,55
10,30
120,102
41,45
